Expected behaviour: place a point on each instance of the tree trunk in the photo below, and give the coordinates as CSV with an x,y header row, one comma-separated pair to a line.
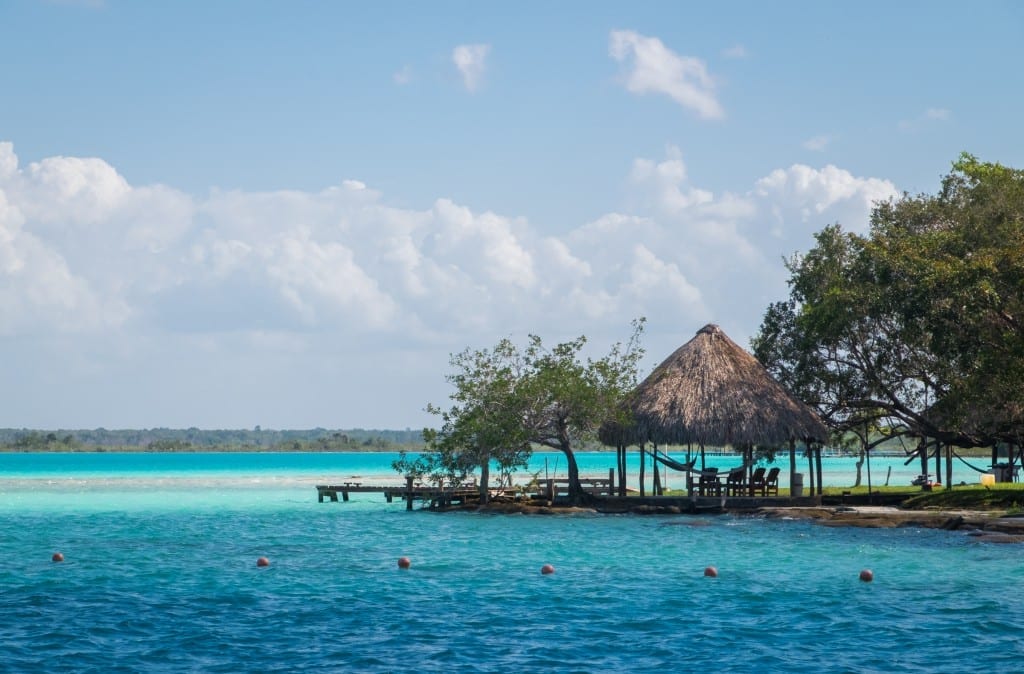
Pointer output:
x,y
817,466
922,447
949,466
576,494
485,478
860,462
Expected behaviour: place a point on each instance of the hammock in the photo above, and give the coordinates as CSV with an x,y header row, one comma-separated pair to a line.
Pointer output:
x,y
980,470
675,465
689,467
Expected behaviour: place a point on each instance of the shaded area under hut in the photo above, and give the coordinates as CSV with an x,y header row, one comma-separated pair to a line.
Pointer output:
x,y
712,393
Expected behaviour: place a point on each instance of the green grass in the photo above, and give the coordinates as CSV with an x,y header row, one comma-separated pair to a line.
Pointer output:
x,y
971,497
1008,497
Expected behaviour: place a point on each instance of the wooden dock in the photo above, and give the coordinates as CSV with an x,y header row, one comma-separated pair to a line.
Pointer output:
x,y
439,497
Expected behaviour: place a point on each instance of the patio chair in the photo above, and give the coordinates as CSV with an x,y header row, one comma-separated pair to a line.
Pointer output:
x,y
736,482
757,481
709,484
771,483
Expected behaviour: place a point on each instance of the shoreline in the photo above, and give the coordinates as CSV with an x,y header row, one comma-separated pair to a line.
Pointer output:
x,y
984,526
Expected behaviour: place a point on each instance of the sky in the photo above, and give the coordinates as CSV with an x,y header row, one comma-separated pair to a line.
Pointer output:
x,y
290,214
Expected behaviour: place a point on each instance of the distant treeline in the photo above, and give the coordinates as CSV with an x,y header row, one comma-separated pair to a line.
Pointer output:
x,y
198,440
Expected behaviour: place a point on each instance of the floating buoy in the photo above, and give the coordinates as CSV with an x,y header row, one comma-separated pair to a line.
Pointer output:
x,y
57,557
404,562
710,572
866,575
262,561
547,569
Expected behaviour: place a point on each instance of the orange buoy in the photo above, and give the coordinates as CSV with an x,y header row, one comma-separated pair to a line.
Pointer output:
x,y
262,561
710,572
404,562
57,557
866,575
547,569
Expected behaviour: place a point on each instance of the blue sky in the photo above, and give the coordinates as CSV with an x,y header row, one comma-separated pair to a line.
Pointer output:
x,y
289,214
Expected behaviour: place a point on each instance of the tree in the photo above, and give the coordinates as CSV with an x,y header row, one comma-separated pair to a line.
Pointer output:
x,y
509,399
917,324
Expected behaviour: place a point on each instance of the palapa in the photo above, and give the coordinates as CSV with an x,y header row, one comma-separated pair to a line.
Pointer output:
x,y
711,392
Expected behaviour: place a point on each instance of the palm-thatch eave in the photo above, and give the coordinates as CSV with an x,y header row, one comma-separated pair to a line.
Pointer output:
x,y
710,391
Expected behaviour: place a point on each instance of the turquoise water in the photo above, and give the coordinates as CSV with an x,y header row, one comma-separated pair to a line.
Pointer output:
x,y
160,575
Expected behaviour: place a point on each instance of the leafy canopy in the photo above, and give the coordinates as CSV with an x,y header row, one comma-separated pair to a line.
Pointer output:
x,y
917,324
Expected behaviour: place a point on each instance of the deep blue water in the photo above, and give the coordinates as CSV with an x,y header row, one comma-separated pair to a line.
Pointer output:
x,y
160,575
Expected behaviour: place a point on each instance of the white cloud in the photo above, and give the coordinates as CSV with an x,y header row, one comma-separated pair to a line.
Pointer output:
x,y
654,68
929,116
737,51
802,194
236,280
471,61
817,143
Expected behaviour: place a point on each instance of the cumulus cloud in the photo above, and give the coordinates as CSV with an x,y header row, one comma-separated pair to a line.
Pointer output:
x,y
810,193
651,67
471,62
817,143
344,282
83,249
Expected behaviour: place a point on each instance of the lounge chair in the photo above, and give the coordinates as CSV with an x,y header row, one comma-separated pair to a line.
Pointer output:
x,y
771,483
736,483
757,481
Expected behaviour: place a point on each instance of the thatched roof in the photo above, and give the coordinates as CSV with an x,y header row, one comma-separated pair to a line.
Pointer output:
x,y
712,392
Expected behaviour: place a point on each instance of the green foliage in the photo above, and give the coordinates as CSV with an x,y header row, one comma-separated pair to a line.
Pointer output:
x,y
970,498
917,326
508,399
196,440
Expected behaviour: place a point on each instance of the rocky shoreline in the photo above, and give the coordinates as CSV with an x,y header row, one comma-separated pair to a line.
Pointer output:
x,y
982,526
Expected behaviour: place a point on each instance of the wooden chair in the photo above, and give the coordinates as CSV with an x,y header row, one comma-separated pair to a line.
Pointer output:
x,y
757,481
709,484
771,483
736,482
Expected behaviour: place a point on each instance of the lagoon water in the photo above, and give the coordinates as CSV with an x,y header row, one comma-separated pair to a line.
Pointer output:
x,y
159,575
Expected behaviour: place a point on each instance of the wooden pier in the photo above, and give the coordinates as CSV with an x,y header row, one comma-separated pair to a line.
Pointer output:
x,y
436,496
551,489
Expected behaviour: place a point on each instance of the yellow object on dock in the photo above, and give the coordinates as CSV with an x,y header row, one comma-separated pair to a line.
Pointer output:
x,y
988,479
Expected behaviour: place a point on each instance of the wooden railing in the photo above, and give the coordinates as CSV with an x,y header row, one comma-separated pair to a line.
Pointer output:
x,y
553,488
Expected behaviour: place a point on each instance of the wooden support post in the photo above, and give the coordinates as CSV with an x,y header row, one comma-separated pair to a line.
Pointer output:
x,y
344,496
817,467
949,466
408,493
792,466
643,453
611,481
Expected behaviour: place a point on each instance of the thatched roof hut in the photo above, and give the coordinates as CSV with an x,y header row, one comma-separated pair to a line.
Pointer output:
x,y
711,392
